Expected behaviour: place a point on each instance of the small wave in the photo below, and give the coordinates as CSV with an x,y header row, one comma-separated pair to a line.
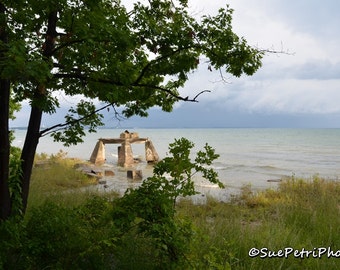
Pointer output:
x,y
208,185
220,168
229,167
269,167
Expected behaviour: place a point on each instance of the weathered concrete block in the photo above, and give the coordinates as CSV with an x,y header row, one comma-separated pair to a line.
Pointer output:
x,y
151,154
109,173
135,174
125,156
134,135
98,154
128,135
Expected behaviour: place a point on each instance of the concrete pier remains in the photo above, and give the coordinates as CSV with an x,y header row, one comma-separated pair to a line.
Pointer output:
x,y
125,155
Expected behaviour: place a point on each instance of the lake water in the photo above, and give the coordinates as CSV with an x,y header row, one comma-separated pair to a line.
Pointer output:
x,y
247,156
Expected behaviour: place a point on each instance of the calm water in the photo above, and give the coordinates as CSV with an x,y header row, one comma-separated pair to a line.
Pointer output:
x,y
247,156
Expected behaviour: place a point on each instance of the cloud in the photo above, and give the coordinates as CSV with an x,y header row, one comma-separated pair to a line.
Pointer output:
x,y
317,69
287,96
300,88
309,16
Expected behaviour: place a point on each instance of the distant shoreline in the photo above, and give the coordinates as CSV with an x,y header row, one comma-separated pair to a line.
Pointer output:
x,y
254,128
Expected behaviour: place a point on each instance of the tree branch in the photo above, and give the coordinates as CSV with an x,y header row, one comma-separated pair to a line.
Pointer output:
x,y
63,45
163,89
61,126
148,65
171,93
200,93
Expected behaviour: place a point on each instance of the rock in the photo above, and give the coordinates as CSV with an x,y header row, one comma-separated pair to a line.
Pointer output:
x,y
109,173
102,182
98,173
90,174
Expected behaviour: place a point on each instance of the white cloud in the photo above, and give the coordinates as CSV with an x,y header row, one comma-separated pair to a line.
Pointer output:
x,y
289,96
304,83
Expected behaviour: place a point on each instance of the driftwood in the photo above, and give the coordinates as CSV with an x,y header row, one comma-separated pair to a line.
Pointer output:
x,y
274,180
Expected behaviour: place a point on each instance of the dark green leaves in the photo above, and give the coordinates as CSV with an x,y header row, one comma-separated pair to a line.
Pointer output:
x,y
151,208
73,130
224,48
137,59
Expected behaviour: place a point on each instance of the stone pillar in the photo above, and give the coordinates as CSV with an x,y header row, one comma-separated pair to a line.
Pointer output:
x,y
151,154
125,156
98,154
120,156
134,174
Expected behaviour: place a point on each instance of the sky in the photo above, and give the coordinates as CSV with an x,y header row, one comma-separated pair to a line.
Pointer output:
x,y
299,88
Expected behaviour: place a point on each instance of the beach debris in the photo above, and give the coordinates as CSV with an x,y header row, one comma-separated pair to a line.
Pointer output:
x,y
93,171
125,155
96,174
274,180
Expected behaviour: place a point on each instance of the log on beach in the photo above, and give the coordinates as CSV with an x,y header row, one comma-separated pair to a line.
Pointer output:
x,y
274,180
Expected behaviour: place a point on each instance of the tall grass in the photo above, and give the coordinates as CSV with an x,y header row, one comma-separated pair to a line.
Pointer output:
x,y
55,178
300,214
66,227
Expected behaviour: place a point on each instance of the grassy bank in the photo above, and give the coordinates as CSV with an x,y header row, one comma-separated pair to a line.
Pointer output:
x,y
302,215
55,178
66,228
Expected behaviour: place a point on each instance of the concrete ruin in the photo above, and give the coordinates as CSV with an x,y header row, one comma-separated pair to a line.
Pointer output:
x,y
125,155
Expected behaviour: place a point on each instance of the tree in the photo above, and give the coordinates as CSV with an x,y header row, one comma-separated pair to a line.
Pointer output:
x,y
136,58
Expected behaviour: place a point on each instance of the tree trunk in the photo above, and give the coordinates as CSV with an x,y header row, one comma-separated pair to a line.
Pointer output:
x,y
5,201
33,129
28,152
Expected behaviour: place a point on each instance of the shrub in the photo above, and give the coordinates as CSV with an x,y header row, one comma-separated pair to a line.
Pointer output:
x,y
151,208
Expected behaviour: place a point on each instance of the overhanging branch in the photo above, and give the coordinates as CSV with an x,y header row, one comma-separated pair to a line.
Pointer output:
x,y
62,126
158,59
84,77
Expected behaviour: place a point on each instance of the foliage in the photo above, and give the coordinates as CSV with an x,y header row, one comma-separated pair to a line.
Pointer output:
x,y
301,218
108,55
147,214
58,237
13,107
55,174
14,181
151,208
89,233
136,58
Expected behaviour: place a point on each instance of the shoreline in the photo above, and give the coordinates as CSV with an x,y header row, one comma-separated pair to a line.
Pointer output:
x,y
119,182
247,156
